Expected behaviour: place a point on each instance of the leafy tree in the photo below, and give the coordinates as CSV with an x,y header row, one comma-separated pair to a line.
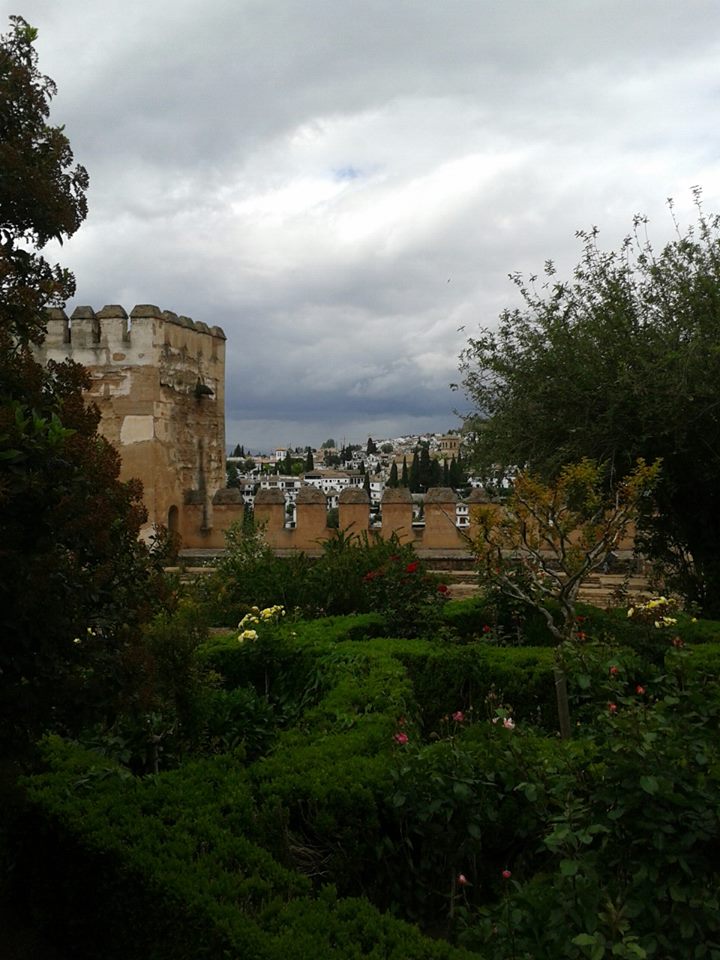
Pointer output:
x,y
620,362
74,580
328,444
42,195
371,446
386,448
548,537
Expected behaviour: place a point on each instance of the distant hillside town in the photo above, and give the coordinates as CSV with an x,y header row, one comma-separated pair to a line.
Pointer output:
x,y
416,462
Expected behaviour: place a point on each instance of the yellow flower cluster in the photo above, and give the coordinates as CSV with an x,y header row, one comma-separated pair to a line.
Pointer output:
x,y
653,611
257,616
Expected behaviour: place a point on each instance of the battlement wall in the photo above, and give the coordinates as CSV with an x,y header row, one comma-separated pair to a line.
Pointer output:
x,y
439,532
113,336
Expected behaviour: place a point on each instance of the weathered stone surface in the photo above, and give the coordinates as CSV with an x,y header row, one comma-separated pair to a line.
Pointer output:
x,y
396,495
354,495
441,495
83,313
310,495
112,310
228,495
144,310
269,496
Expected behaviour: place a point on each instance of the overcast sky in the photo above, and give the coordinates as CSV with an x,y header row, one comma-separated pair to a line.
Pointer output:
x,y
344,185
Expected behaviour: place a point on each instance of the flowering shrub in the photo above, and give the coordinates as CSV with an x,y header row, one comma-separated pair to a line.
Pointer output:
x,y
410,599
255,617
656,611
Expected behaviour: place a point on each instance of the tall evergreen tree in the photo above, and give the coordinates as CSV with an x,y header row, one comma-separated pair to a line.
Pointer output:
x,y
435,476
309,460
393,478
404,477
455,474
446,474
425,475
414,482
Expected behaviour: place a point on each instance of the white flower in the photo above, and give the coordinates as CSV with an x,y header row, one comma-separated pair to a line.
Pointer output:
x,y
247,635
509,723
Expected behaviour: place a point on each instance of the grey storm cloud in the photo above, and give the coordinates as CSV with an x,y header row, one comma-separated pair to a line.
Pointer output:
x,y
344,187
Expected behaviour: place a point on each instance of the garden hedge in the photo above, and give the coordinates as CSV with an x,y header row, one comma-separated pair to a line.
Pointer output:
x,y
159,868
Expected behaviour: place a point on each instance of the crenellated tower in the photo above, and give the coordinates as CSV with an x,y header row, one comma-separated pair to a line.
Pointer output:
x,y
158,380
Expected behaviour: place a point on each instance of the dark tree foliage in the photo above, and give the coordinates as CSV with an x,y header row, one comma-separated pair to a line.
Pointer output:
x,y
620,362
42,195
404,476
74,580
309,460
414,480
393,478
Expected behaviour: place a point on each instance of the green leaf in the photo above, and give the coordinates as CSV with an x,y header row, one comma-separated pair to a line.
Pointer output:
x,y
569,868
649,784
584,940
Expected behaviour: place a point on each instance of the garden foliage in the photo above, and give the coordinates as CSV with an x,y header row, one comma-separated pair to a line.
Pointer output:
x,y
420,775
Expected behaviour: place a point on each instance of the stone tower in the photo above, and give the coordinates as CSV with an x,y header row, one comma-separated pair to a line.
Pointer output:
x,y
159,382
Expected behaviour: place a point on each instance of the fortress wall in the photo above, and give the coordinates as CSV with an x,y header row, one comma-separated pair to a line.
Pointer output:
x,y
158,380
397,515
311,519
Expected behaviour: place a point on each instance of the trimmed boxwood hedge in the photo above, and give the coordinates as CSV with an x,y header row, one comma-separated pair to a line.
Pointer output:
x,y
159,868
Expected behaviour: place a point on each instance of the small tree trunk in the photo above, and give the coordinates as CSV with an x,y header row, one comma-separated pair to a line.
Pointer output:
x,y
563,704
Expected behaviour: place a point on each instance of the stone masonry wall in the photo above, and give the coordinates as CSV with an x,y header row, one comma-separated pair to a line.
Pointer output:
x,y
159,382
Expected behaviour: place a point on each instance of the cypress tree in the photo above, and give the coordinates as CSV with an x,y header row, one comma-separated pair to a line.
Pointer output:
x,y
435,477
404,479
414,483
393,478
309,461
425,475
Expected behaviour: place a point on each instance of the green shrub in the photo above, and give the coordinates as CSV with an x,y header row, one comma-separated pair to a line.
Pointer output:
x,y
160,868
627,863
336,583
482,677
238,718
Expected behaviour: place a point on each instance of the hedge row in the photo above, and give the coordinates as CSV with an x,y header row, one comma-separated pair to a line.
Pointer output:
x,y
213,858
160,868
